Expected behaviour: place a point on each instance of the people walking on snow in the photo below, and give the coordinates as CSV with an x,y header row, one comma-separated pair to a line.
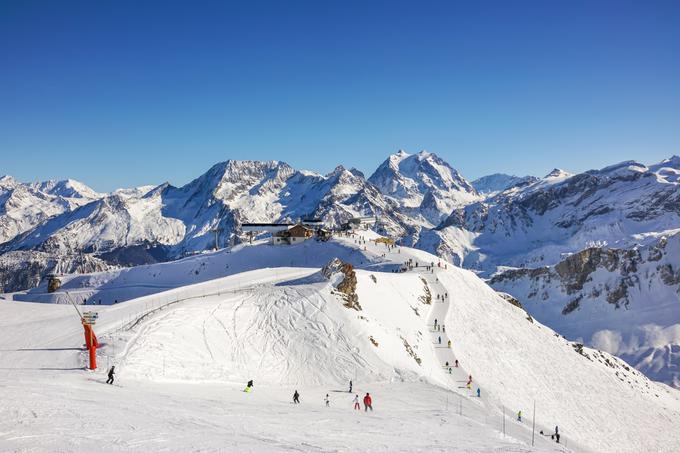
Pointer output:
x,y
443,328
296,397
440,340
435,323
357,406
479,393
449,344
449,370
456,363
111,373
328,401
447,364
368,402
350,387
519,416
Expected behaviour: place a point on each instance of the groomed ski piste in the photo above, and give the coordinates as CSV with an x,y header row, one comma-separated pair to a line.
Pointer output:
x,y
186,336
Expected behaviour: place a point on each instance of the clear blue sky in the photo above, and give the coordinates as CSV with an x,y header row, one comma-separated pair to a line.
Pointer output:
x,y
117,93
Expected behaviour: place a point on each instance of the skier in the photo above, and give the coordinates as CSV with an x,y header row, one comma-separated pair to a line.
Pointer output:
x,y
249,386
557,434
449,344
328,401
357,406
447,364
443,328
449,370
479,393
456,363
435,323
368,402
350,387
111,373
440,340
519,416
296,397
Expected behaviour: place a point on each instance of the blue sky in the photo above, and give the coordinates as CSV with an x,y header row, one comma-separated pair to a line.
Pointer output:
x,y
128,93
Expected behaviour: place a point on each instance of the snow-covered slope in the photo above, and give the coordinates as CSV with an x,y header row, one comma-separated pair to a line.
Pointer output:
x,y
291,326
626,302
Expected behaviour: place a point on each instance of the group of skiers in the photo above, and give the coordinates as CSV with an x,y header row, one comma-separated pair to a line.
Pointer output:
x,y
368,401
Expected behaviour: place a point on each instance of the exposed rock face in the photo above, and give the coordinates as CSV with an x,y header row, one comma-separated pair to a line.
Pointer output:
x,y
426,298
574,272
344,279
53,284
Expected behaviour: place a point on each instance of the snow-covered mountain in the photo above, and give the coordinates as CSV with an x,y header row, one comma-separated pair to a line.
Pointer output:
x,y
165,222
498,182
426,188
23,206
538,224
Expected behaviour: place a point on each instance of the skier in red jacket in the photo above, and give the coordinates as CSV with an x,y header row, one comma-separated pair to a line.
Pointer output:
x,y
368,403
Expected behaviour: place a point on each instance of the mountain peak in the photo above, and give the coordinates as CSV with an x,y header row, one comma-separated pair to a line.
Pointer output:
x,y
423,154
7,180
557,173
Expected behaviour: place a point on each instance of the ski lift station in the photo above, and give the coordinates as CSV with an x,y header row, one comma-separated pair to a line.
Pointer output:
x,y
285,233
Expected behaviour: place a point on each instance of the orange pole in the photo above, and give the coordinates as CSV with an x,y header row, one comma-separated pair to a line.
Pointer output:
x,y
93,358
91,342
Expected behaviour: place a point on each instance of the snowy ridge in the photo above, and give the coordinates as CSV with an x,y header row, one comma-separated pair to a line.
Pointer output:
x,y
564,213
23,206
498,182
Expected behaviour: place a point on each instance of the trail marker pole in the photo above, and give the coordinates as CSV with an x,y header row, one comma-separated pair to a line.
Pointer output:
x,y
533,424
